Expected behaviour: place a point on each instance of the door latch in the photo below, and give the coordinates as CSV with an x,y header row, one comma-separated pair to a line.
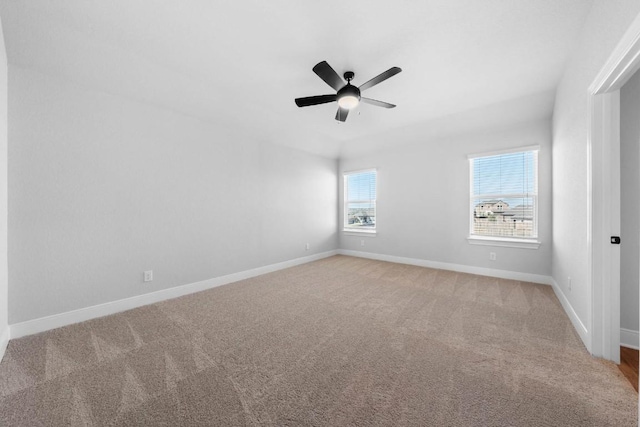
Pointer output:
x,y
615,240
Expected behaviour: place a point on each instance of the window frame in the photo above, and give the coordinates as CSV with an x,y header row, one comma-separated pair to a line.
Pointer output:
x,y
505,241
345,221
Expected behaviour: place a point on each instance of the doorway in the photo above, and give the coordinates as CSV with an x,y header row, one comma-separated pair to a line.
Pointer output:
x,y
604,198
630,211
630,227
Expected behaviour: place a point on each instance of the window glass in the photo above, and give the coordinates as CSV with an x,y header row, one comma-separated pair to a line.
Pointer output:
x,y
360,200
504,195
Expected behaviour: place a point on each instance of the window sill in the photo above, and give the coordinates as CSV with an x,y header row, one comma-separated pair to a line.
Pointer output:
x,y
352,232
504,242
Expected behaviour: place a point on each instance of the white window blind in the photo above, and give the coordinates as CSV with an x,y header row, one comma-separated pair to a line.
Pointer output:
x,y
504,194
360,200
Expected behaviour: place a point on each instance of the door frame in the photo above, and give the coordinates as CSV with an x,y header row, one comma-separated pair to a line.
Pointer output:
x,y
603,198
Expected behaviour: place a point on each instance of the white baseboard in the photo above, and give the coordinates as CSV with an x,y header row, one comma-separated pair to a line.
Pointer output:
x,y
42,324
629,338
4,341
582,330
481,271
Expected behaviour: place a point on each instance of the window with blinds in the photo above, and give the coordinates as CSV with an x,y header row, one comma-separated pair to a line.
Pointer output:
x,y
504,194
360,200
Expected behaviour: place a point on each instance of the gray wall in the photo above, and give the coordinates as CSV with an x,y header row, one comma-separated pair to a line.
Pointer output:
x,y
102,188
423,200
603,29
630,202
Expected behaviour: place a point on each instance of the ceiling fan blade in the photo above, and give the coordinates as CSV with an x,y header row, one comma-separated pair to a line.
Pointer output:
x,y
381,77
376,102
329,75
315,100
342,114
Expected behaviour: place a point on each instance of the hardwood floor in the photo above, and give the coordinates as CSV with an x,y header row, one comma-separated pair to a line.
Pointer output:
x,y
629,365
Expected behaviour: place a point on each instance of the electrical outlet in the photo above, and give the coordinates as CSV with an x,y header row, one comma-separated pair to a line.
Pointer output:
x,y
362,242
569,283
148,275
307,247
492,256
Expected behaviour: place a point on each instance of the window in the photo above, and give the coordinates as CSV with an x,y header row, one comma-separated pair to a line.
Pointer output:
x,y
360,201
504,195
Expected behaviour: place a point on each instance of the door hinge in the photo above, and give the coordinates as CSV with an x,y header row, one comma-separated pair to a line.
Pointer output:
x,y
615,240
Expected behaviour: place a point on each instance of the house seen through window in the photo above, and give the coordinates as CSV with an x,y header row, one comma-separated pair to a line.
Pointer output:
x,y
504,194
360,200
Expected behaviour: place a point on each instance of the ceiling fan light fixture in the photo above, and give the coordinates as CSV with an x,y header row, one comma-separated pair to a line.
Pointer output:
x,y
348,101
348,96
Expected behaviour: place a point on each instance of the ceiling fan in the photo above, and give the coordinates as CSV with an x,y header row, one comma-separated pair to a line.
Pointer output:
x,y
348,96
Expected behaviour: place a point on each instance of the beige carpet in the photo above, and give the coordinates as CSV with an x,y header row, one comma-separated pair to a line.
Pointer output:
x,y
341,341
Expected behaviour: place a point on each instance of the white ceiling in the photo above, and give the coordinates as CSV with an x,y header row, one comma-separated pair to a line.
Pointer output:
x,y
466,63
